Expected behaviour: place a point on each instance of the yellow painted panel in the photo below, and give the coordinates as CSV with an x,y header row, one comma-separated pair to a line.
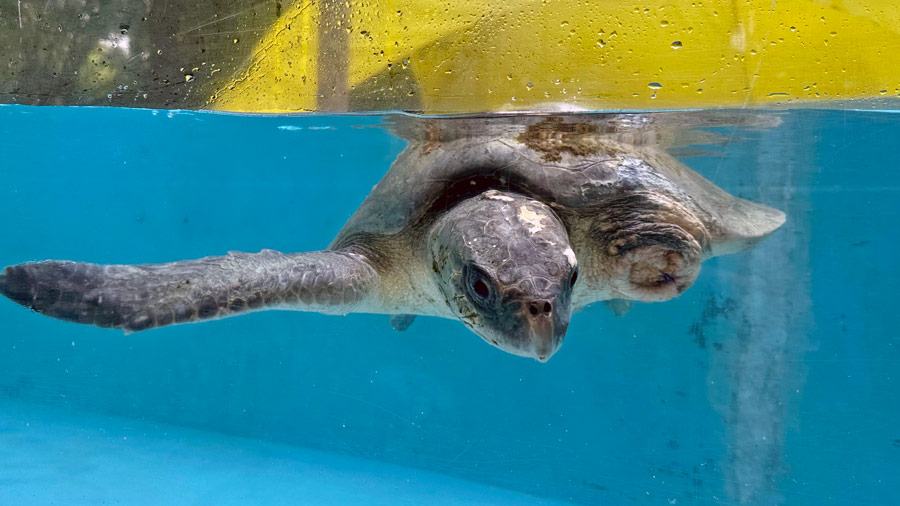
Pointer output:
x,y
282,74
453,56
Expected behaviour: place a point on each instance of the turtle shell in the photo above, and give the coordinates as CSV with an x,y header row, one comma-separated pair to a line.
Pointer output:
x,y
570,162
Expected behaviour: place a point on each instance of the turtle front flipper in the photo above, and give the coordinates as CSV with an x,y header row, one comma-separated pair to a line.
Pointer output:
x,y
139,297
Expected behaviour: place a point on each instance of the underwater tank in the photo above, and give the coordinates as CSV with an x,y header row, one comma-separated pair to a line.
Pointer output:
x,y
768,377
768,381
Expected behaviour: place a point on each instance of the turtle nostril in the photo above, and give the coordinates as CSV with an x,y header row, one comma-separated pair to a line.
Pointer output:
x,y
540,307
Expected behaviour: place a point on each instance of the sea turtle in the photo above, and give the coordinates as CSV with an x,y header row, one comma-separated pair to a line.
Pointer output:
x,y
508,224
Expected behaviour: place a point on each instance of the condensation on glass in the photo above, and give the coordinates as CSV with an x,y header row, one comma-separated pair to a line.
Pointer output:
x,y
445,56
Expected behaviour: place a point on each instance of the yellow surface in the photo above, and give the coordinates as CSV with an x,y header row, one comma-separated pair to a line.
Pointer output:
x,y
456,56
282,73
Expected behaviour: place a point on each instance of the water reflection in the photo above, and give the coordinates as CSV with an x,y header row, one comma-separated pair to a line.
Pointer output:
x,y
121,53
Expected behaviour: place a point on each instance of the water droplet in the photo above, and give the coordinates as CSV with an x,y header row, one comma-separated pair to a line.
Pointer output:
x,y
509,77
188,77
654,86
529,85
676,44
235,40
664,23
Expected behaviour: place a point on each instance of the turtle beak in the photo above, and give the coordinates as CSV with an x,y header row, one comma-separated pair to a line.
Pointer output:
x,y
546,325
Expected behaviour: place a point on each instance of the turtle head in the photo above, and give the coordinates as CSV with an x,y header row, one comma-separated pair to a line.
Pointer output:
x,y
505,267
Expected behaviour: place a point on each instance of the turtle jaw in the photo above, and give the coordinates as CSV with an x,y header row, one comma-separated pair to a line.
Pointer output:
x,y
545,337
535,330
545,323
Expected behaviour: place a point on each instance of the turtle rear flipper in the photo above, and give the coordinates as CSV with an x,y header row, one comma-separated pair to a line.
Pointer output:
x,y
401,322
743,224
139,297
619,307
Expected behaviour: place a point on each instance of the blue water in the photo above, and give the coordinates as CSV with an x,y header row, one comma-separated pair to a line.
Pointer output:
x,y
773,380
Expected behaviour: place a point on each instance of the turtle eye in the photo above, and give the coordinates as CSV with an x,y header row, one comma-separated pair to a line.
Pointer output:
x,y
481,289
573,278
478,284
